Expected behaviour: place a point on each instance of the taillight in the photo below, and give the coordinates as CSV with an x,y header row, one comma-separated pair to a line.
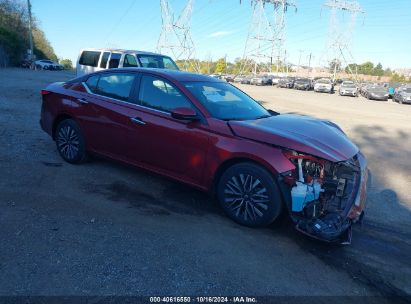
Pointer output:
x,y
45,92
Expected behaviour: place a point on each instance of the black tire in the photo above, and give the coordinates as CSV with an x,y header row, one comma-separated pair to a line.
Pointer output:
x,y
70,142
249,195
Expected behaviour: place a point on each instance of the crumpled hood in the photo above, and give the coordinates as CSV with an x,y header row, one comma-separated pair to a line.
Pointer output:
x,y
304,134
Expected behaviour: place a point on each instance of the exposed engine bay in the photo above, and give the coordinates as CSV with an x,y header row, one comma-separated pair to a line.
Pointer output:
x,y
322,195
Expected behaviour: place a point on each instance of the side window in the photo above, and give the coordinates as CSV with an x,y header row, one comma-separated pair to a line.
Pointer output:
x,y
130,61
114,60
89,58
169,64
116,86
104,59
92,82
158,94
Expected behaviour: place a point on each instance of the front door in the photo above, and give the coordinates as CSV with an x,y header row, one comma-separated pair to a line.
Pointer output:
x,y
165,144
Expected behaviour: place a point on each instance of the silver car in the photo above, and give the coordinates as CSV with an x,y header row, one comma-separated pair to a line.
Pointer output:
x,y
348,88
403,95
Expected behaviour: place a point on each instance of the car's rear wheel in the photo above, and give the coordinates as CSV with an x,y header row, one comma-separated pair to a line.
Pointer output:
x,y
249,195
70,142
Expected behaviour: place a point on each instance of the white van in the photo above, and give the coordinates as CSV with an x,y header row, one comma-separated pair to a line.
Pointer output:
x,y
93,60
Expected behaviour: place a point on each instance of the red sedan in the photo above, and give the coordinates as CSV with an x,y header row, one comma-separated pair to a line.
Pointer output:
x,y
207,133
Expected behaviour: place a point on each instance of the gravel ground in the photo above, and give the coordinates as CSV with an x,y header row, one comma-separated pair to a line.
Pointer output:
x,y
103,229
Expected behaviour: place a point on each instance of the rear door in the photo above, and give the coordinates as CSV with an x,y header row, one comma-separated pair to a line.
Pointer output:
x,y
104,112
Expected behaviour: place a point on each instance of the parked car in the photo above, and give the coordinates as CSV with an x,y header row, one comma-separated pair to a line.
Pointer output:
x,y
286,82
46,64
93,60
215,76
402,95
275,80
207,133
348,88
246,80
324,85
261,80
302,84
238,79
376,92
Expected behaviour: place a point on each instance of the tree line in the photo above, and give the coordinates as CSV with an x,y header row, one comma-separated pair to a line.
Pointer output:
x,y
368,68
14,35
222,66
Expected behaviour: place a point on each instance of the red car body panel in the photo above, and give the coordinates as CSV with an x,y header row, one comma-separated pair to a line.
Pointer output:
x,y
300,133
189,152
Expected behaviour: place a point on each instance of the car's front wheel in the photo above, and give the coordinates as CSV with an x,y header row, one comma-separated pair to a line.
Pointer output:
x,y
249,195
70,142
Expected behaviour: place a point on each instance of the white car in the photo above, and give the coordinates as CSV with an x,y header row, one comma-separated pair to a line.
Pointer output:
x,y
93,60
324,85
47,65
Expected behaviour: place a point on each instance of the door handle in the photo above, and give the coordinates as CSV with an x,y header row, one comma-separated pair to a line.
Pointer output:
x,y
137,121
82,100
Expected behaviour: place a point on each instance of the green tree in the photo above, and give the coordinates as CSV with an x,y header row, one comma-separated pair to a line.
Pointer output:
x,y
14,33
398,78
366,68
378,70
220,66
67,64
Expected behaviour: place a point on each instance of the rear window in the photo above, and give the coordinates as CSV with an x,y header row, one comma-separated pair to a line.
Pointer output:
x,y
90,58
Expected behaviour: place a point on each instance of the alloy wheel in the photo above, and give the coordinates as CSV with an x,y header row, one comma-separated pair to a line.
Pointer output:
x,y
68,142
246,197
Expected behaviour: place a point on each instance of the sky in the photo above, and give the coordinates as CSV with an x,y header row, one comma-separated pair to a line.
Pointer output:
x,y
220,27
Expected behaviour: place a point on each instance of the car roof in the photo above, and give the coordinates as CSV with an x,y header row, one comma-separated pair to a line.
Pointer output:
x,y
177,75
121,51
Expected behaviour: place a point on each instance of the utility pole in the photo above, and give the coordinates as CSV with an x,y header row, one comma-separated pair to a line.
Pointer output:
x,y
225,63
266,35
299,60
309,64
30,31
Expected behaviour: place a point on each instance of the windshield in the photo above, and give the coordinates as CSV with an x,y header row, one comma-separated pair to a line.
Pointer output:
x,y
157,61
225,101
325,81
377,89
302,80
348,84
406,90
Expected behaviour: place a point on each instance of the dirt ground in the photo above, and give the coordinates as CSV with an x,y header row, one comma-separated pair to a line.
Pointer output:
x,y
103,229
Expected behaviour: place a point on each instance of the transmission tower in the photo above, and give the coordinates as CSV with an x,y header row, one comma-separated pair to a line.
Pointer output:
x,y
175,38
266,36
340,32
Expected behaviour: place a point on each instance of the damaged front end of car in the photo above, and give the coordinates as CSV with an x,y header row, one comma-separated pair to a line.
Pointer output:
x,y
325,198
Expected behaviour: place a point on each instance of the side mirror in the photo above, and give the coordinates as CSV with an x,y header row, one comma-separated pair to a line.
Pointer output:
x,y
184,114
